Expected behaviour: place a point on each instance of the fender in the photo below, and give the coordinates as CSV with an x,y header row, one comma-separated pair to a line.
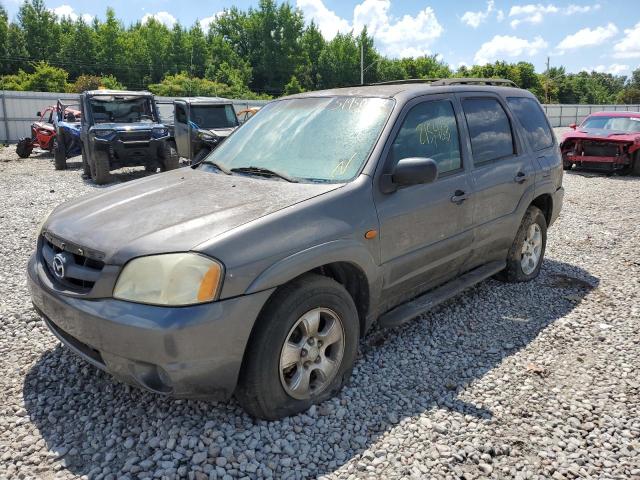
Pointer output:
x,y
343,250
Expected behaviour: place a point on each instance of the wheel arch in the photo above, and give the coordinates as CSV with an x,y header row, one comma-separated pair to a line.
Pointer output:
x,y
346,262
545,203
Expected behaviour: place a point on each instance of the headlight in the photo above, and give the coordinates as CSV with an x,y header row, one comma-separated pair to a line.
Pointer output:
x,y
159,132
170,279
104,133
206,135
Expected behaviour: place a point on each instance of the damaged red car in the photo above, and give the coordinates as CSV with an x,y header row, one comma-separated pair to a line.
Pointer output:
x,y
608,141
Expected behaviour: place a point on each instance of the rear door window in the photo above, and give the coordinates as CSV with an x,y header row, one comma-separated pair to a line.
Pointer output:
x,y
533,120
430,131
489,129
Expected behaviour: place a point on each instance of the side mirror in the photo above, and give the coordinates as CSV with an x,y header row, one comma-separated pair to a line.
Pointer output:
x,y
38,114
573,125
414,171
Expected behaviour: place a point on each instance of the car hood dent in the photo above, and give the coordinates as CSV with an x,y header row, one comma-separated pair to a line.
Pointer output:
x,y
174,211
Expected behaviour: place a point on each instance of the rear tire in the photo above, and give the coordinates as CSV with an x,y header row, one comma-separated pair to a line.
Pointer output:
x,y
567,165
526,255
283,333
24,147
100,169
170,158
59,155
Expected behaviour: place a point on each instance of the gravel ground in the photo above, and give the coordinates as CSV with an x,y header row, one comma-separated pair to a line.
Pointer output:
x,y
536,380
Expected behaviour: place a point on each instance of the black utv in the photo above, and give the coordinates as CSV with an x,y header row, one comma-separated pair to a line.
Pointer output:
x,y
123,129
201,124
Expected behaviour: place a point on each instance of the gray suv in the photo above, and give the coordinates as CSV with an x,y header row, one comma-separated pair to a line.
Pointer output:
x,y
257,272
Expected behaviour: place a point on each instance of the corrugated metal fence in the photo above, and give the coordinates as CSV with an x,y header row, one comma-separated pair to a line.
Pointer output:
x,y
18,110
565,115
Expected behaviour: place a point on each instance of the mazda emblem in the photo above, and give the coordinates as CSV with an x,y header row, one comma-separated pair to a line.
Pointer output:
x,y
58,266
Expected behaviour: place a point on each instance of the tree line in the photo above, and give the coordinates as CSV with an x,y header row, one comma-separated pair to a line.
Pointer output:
x,y
260,52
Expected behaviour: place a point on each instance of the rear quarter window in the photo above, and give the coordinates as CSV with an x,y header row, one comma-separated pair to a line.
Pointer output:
x,y
533,121
489,129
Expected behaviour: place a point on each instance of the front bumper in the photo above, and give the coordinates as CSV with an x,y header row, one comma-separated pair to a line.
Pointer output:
x,y
132,152
193,352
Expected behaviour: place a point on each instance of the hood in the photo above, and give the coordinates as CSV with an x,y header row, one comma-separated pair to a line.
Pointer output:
x,y
220,132
172,212
602,134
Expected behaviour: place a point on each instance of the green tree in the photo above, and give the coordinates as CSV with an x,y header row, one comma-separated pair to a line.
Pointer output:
x,y
293,87
178,53
339,62
41,28
5,65
46,78
312,43
110,51
198,51
78,49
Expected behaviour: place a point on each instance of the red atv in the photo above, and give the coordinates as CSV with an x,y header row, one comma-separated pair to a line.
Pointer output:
x,y
43,132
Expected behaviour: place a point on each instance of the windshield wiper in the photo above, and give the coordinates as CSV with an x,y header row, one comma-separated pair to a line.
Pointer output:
x,y
215,164
263,172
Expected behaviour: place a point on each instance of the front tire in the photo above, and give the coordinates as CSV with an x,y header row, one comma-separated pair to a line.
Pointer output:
x,y
24,147
100,168
526,254
59,154
170,158
302,349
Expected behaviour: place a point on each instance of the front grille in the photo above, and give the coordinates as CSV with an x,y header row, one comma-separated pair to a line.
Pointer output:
x,y
80,270
135,136
600,149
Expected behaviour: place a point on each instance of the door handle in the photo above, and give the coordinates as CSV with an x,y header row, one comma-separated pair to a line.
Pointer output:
x,y
521,177
459,196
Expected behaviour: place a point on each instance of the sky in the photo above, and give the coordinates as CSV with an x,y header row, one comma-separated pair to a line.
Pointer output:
x,y
600,35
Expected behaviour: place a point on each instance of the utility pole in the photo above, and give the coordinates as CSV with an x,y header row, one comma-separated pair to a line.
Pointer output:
x,y
548,59
361,61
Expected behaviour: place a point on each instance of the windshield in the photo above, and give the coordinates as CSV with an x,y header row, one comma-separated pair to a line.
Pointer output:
x,y
165,111
316,139
110,109
214,116
619,124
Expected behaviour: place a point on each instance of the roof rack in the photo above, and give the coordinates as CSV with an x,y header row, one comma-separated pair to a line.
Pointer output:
x,y
453,81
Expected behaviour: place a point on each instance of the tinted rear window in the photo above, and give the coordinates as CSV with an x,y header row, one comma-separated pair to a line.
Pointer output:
x,y
489,129
533,121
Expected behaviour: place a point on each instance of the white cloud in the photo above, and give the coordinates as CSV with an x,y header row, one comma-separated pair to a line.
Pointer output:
x,y
163,17
474,19
396,37
572,9
613,69
328,22
67,11
588,37
535,13
206,22
531,13
501,47
629,46
500,16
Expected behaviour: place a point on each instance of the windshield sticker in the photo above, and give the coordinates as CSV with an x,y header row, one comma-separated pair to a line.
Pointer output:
x,y
348,104
341,168
433,133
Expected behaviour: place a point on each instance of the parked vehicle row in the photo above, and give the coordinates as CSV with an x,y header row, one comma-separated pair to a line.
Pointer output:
x,y
257,271
112,129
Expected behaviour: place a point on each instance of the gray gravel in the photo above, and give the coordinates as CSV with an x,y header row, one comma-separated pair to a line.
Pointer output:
x,y
535,380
